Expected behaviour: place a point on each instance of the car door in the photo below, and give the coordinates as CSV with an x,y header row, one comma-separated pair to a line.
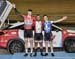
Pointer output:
x,y
57,41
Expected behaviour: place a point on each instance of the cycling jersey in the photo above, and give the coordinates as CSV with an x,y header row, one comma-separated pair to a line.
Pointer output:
x,y
38,26
47,27
29,21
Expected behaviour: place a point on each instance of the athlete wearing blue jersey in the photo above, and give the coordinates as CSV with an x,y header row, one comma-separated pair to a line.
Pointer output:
x,y
47,30
48,33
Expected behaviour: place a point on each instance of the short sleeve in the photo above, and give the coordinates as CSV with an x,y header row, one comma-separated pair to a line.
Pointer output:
x,y
34,19
51,21
23,15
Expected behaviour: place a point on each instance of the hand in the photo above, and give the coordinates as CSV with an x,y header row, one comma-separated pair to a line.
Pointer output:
x,y
65,17
13,5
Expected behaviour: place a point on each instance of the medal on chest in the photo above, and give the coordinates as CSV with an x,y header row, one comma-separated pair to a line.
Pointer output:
x,y
47,27
38,26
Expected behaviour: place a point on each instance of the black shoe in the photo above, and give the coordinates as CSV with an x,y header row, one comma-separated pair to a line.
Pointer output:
x,y
52,54
35,54
26,54
31,54
42,54
46,54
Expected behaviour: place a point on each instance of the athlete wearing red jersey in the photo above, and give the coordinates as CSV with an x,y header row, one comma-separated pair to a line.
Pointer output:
x,y
28,32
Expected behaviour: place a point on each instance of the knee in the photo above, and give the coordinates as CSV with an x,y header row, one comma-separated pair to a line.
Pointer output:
x,y
31,41
26,41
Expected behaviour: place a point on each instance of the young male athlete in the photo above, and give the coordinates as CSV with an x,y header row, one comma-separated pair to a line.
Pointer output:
x,y
28,32
38,36
48,33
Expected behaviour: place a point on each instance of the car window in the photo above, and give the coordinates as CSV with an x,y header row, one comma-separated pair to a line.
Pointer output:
x,y
2,6
55,29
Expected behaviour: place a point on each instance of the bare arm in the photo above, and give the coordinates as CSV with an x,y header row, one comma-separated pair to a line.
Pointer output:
x,y
16,11
59,20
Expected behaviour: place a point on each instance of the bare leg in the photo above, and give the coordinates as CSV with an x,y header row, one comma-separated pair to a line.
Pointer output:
x,y
41,44
41,48
46,44
51,45
36,44
31,44
35,48
26,46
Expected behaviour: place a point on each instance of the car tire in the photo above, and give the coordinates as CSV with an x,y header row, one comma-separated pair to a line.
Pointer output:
x,y
69,45
15,46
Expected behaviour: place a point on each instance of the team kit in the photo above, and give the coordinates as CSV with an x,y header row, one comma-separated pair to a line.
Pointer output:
x,y
35,23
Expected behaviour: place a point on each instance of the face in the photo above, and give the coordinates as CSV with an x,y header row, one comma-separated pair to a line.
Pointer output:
x,y
38,17
46,18
29,13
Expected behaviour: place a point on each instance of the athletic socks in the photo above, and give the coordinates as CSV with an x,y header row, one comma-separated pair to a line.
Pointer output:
x,y
41,50
46,54
51,50
26,52
52,54
46,51
31,50
35,52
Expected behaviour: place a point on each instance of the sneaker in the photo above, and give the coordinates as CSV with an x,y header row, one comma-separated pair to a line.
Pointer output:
x,y
31,54
52,54
26,54
35,54
42,54
46,54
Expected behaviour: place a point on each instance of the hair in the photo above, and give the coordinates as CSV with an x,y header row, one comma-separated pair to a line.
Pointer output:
x,y
30,10
38,15
45,15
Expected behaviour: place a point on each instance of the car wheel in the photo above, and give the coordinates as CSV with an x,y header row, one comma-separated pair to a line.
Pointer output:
x,y
69,45
15,46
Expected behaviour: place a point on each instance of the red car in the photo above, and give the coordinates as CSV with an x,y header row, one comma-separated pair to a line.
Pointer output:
x,y
12,38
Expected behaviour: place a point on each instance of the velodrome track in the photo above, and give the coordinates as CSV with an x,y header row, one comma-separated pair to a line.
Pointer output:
x,y
58,55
